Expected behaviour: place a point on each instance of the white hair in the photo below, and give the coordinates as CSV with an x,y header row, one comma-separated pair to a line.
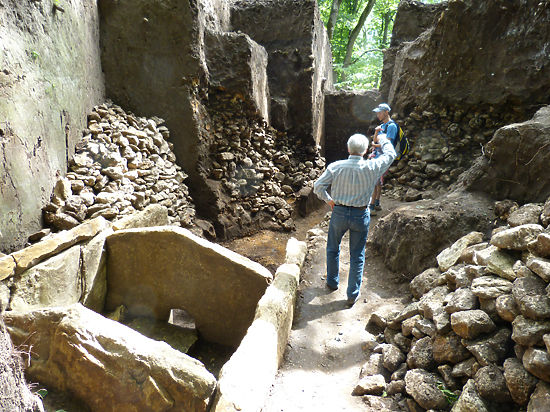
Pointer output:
x,y
358,144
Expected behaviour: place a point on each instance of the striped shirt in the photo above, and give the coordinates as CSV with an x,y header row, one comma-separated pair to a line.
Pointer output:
x,y
352,180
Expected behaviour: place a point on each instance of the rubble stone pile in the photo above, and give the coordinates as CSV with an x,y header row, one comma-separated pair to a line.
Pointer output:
x,y
122,164
444,143
477,334
261,170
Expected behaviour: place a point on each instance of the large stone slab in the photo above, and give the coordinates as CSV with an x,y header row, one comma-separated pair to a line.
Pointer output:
x,y
94,272
246,378
107,365
7,267
30,256
154,270
54,282
152,215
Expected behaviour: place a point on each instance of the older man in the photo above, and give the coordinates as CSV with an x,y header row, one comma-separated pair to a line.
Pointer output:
x,y
351,184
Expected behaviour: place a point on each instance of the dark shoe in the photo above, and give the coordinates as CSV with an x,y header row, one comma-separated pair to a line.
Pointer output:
x,y
372,210
377,207
351,301
333,288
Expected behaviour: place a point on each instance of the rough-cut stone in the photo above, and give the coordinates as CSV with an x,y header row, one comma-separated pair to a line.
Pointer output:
x,y
537,362
426,281
529,213
421,355
462,299
470,400
374,366
491,287
425,326
540,400
541,267
128,370
295,252
541,245
491,385
545,215
469,324
175,267
520,383
466,368
491,349
30,256
507,308
433,300
410,310
392,358
468,254
530,296
448,257
448,348
497,261
457,277
424,388
446,372
517,238
54,282
7,267
528,332
395,387
370,385
442,321
431,226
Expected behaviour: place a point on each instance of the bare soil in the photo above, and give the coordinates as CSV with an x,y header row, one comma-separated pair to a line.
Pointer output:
x,y
324,354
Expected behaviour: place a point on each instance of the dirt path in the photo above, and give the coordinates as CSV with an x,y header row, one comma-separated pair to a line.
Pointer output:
x,y
324,354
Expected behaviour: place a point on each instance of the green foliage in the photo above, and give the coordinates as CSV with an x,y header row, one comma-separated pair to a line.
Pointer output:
x,y
34,55
42,393
365,68
449,395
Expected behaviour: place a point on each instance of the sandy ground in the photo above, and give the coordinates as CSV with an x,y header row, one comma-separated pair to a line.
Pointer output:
x,y
324,354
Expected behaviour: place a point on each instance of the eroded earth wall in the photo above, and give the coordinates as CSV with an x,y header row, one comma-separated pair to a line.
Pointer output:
x,y
299,61
50,78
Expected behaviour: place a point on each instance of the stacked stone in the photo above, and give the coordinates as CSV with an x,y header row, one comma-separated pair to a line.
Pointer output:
x,y
122,164
477,335
260,169
444,143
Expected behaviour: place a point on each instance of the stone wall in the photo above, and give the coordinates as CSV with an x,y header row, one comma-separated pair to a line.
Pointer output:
x,y
300,61
50,78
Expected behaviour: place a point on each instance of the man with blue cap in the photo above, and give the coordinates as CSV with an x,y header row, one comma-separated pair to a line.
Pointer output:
x,y
389,128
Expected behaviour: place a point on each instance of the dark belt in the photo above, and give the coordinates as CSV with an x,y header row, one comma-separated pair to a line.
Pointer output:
x,y
353,207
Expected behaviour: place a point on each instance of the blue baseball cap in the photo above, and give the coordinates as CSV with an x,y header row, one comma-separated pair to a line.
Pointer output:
x,y
383,106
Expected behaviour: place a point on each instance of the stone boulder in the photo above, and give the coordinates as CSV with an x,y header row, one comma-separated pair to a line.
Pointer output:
x,y
491,349
469,324
517,238
537,363
426,281
470,400
430,227
490,287
541,267
527,144
528,332
520,383
497,261
531,299
491,385
424,387
106,365
540,400
178,270
528,214
448,257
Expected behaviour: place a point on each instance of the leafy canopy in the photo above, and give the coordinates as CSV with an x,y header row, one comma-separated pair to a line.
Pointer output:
x,y
364,69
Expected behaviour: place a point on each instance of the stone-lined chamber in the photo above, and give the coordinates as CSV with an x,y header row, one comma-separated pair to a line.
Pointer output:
x,y
109,366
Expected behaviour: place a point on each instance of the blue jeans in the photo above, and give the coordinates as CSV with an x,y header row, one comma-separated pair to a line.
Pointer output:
x,y
357,222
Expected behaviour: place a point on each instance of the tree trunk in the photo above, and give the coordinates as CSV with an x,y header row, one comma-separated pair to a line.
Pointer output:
x,y
387,19
356,30
333,17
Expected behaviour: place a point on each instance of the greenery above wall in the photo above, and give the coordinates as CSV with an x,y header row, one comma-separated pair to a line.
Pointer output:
x,y
359,32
